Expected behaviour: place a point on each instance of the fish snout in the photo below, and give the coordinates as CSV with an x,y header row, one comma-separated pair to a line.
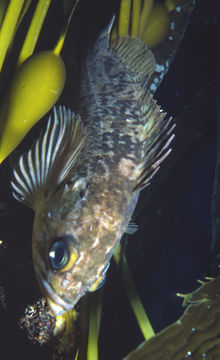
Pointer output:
x,y
57,304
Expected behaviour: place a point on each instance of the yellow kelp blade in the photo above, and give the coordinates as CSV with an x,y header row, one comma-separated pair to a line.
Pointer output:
x,y
8,27
147,20
35,88
139,14
77,355
90,319
157,27
124,18
136,12
59,45
34,30
134,299
145,14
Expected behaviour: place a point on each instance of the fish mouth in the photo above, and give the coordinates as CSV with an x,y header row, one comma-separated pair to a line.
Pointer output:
x,y
57,305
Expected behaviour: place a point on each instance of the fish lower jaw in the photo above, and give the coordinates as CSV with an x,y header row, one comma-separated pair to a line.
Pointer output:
x,y
57,305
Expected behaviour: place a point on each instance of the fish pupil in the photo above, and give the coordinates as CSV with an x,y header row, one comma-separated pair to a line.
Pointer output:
x,y
59,254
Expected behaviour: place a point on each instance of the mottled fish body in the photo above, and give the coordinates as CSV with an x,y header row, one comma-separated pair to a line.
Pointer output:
x,y
84,174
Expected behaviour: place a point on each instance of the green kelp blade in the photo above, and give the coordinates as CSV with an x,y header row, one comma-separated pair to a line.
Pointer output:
x,y
194,336
95,308
133,297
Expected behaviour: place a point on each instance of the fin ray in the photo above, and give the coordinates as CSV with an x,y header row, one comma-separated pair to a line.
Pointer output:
x,y
136,56
158,136
48,163
131,228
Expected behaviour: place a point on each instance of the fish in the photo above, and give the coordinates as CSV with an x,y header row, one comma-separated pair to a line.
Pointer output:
x,y
84,173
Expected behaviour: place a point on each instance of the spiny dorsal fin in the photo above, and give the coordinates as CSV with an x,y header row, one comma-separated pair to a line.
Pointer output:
x,y
102,42
158,131
136,56
42,169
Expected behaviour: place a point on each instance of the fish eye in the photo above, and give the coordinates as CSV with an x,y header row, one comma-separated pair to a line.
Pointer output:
x,y
63,254
59,254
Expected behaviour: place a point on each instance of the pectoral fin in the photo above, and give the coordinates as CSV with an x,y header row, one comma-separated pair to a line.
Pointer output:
x,y
48,163
131,228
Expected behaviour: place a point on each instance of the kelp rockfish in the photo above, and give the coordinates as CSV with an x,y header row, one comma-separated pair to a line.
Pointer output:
x,y
84,174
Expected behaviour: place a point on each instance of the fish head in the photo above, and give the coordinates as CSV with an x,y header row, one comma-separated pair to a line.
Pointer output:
x,y
78,216
73,242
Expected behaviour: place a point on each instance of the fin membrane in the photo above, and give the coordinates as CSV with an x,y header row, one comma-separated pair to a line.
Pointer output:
x,y
158,136
48,163
135,55
131,228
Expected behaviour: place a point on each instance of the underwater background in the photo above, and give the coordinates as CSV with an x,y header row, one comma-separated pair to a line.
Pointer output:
x,y
177,242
